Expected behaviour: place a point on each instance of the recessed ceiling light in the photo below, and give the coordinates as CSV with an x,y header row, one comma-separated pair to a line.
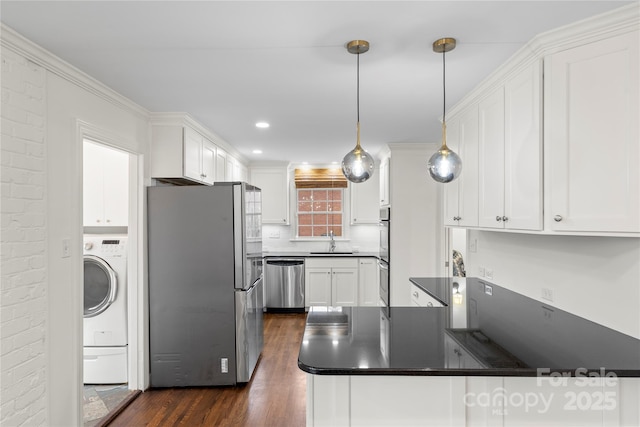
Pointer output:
x,y
262,125
305,163
257,151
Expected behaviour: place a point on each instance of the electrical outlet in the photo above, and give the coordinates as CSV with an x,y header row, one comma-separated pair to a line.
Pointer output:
x,y
481,271
488,290
224,365
547,294
489,273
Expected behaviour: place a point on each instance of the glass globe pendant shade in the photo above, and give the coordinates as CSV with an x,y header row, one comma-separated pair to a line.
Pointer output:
x,y
445,165
358,165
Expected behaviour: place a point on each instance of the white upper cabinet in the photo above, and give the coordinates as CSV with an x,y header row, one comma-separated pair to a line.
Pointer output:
x,y
274,183
510,154
384,182
199,157
591,137
491,160
105,186
523,150
182,155
232,170
461,195
221,165
365,201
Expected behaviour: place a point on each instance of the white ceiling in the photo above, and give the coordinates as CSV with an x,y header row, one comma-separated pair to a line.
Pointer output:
x,y
232,63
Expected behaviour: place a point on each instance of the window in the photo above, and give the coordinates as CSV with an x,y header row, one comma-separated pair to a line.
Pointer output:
x,y
319,212
320,201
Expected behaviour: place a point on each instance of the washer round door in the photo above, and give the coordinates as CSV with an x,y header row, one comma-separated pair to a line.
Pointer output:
x,y
100,285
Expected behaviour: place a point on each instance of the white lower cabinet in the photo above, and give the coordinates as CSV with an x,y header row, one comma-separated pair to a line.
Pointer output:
x,y
420,298
370,400
331,281
368,282
457,357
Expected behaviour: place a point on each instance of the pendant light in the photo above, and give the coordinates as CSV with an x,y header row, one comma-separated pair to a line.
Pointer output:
x,y
357,165
445,165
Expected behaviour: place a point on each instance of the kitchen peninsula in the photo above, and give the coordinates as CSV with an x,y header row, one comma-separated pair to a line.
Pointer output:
x,y
494,357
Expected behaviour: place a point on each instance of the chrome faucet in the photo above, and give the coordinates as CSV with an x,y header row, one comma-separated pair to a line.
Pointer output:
x,y
332,244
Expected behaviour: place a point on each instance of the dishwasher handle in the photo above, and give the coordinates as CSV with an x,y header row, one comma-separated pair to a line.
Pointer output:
x,y
285,262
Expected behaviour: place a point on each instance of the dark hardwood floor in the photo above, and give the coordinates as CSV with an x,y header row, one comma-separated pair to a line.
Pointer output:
x,y
276,395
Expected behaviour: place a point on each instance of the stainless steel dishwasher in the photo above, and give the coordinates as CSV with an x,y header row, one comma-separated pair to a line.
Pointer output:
x,y
284,284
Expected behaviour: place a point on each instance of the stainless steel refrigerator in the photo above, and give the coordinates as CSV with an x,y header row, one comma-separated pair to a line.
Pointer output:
x,y
205,284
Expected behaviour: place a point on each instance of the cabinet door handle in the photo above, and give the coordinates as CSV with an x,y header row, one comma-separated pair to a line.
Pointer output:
x,y
557,218
505,219
498,218
284,220
456,351
415,294
108,220
429,304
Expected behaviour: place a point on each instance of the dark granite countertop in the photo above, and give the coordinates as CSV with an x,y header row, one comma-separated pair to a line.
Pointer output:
x,y
505,333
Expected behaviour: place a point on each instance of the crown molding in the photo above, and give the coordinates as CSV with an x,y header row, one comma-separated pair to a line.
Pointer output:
x,y
184,119
13,41
613,23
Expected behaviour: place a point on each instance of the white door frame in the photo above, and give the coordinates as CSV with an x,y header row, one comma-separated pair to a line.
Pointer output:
x,y
135,253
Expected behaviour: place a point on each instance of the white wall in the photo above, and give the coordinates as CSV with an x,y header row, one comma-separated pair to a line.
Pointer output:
x,y
23,327
43,127
416,219
69,104
597,278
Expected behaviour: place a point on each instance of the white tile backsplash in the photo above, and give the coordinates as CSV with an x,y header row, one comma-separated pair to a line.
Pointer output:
x,y
281,238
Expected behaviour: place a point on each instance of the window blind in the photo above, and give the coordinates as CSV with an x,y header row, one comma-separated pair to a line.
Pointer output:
x,y
320,178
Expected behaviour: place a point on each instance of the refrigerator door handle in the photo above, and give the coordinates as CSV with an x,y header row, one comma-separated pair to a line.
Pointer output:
x,y
249,333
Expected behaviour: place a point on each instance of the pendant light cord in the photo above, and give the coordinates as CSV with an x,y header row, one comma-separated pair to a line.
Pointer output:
x,y
444,88
358,86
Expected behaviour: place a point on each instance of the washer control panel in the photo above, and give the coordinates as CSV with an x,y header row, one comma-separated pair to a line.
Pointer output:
x,y
97,245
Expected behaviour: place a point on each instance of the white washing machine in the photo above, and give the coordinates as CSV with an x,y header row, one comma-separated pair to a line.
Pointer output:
x,y
105,309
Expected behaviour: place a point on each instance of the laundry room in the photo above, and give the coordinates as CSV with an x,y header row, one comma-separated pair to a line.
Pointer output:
x,y
105,256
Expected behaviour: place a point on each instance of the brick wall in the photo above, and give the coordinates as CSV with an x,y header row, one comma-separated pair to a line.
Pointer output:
x,y
23,297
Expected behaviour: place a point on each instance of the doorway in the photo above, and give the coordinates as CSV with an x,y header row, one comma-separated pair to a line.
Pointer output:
x,y
110,265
